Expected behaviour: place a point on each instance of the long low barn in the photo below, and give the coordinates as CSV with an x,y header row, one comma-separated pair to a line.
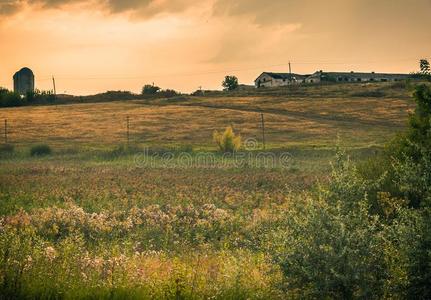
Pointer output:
x,y
354,77
269,79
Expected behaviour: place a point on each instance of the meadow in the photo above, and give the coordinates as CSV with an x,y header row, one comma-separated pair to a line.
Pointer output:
x,y
93,219
362,115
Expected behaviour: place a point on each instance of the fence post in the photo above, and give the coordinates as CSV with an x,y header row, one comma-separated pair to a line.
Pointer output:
x,y
128,127
263,131
5,131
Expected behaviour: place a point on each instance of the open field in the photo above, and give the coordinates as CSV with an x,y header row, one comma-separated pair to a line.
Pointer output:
x,y
94,219
290,120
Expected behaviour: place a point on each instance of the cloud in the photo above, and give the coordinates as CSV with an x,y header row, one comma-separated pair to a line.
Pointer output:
x,y
138,8
250,41
332,15
277,11
9,7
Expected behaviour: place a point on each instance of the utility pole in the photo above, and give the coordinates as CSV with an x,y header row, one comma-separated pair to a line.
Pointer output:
x,y
290,73
128,127
53,84
263,131
5,131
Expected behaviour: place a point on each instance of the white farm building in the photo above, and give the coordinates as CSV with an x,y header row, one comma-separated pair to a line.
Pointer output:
x,y
269,79
321,76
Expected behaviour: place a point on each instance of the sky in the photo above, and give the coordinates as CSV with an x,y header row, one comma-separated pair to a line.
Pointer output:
x,y
92,46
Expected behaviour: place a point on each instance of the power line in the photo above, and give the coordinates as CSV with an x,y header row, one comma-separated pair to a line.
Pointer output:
x,y
284,64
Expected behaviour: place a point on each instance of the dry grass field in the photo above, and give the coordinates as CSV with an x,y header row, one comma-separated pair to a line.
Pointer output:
x,y
292,119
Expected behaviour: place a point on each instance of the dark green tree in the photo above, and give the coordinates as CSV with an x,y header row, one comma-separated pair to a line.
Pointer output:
x,y
10,99
425,67
230,83
150,89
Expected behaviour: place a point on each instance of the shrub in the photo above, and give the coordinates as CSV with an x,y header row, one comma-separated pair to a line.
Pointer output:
x,y
414,178
184,148
371,94
330,246
39,96
149,89
410,151
399,85
408,243
419,132
110,96
10,99
198,93
120,151
168,93
6,149
328,252
40,150
228,141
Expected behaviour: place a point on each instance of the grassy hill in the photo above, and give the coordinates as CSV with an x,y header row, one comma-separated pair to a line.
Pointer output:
x,y
362,115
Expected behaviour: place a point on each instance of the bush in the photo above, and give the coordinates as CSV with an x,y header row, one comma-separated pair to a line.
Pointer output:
x,y
228,141
198,93
39,96
6,149
407,236
371,94
10,99
40,150
168,93
414,178
149,89
408,244
328,252
330,246
410,150
403,84
110,96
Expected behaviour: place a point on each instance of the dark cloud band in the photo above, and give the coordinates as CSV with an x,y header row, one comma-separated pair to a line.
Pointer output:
x,y
144,8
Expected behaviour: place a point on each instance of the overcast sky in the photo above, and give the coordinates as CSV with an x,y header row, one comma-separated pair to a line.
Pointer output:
x,y
98,45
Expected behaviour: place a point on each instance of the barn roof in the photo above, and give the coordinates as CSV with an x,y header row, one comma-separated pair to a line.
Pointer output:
x,y
358,74
288,76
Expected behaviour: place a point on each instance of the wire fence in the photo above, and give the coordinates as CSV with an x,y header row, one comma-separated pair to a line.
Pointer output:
x,y
121,129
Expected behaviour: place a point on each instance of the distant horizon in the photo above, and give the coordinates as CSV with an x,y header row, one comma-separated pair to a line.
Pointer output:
x,y
217,88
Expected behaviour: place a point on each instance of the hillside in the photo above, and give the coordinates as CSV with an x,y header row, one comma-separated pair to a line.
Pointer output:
x,y
361,115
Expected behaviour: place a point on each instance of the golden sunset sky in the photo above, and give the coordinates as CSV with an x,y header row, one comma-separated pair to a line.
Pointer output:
x,y
98,45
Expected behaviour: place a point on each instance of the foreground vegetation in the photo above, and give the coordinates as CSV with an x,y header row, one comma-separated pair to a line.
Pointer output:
x,y
106,225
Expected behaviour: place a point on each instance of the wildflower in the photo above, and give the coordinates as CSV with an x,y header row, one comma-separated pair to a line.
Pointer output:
x,y
84,276
50,253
